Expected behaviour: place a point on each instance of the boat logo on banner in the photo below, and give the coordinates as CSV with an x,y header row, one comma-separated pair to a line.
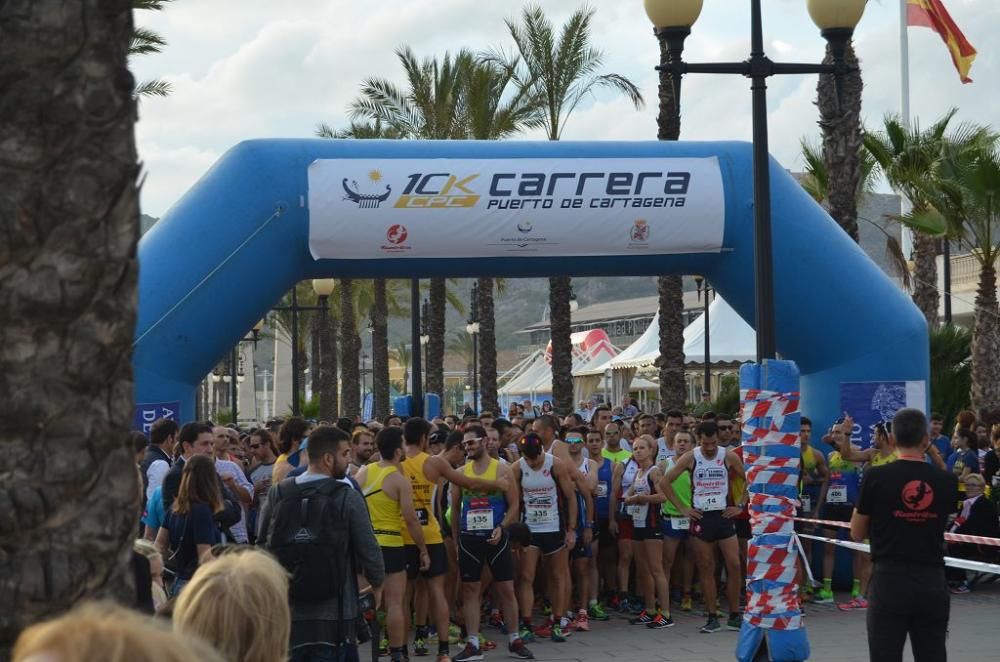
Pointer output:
x,y
441,208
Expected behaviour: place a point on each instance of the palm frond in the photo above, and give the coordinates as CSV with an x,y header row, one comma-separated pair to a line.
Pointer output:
x,y
150,5
145,41
153,88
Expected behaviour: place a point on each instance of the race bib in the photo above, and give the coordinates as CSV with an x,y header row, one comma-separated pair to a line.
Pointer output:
x,y
633,511
710,502
602,490
423,516
837,494
480,520
806,503
540,515
680,523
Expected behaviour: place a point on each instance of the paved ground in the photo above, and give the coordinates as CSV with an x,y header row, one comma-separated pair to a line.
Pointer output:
x,y
835,636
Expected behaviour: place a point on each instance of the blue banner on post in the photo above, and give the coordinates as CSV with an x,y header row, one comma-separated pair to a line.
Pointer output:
x,y
147,413
871,403
368,407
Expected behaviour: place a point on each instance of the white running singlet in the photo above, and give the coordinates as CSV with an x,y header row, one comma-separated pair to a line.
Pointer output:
x,y
541,497
710,481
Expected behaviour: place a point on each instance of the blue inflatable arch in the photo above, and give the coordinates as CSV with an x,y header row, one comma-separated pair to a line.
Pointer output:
x,y
238,240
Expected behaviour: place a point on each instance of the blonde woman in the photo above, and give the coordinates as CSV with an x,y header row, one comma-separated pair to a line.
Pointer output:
x,y
105,632
152,554
239,604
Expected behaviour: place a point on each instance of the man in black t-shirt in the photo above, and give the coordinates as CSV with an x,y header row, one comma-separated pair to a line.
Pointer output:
x,y
903,508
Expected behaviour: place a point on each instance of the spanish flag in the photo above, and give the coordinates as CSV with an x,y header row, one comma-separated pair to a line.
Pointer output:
x,y
932,14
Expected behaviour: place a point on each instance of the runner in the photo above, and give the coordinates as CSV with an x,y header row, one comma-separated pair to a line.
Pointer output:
x,y
621,524
582,555
837,505
675,526
390,505
814,479
673,420
478,522
541,479
604,555
712,525
426,474
643,501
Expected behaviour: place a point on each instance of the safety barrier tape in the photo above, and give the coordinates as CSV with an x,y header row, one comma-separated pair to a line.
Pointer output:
x,y
950,537
951,561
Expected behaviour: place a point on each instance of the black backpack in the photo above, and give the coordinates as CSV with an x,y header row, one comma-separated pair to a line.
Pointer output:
x,y
309,536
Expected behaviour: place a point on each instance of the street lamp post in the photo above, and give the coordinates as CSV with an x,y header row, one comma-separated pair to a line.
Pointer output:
x,y
836,20
416,366
236,370
323,287
425,336
473,330
295,309
364,385
703,287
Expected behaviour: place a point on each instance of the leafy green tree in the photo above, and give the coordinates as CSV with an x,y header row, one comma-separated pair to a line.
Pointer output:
x,y
951,371
145,42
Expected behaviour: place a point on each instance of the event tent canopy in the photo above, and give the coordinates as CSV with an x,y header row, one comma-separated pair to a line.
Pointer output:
x,y
590,348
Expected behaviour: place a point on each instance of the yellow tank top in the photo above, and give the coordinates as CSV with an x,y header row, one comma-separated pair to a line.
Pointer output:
x,y
878,460
424,500
809,460
387,520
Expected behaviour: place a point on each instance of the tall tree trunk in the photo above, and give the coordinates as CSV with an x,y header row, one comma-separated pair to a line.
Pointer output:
x,y
560,329
380,350
985,393
670,288
69,222
315,351
925,292
435,331
488,399
328,366
840,123
350,349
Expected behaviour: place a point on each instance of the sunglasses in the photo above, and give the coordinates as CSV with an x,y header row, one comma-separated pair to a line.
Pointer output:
x,y
574,440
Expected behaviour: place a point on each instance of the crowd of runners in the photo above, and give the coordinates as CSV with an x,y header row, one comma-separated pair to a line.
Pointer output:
x,y
482,531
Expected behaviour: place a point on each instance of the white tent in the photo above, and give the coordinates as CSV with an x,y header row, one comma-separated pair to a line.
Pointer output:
x,y
590,348
731,340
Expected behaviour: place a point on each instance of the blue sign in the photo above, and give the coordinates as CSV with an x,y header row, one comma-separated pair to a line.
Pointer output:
x,y
147,413
870,403
368,407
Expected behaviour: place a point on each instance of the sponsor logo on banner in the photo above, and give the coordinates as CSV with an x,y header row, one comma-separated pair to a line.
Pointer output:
x,y
495,207
396,237
366,200
871,403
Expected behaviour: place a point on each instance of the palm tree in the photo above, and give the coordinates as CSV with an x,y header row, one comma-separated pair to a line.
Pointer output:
x,y
951,378
561,70
380,349
350,350
670,289
144,42
359,131
905,156
402,355
964,199
69,169
840,123
429,107
460,343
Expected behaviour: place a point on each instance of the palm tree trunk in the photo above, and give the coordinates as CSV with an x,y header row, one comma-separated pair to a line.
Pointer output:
x,y
985,393
350,349
670,288
70,224
380,350
560,329
315,351
328,367
925,292
488,399
435,331
840,122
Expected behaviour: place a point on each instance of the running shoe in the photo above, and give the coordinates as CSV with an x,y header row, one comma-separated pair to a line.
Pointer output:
x,y
638,606
615,603
961,589
597,612
469,654
712,625
582,621
823,596
544,630
546,608
486,644
496,621
420,647
443,658
526,634
557,634
642,619
454,634
857,603
735,622
686,602
661,622
519,651
383,647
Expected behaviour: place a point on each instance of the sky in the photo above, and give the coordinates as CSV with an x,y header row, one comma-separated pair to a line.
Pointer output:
x,y
245,69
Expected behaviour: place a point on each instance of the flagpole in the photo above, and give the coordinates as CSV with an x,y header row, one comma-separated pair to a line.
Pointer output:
x,y
906,236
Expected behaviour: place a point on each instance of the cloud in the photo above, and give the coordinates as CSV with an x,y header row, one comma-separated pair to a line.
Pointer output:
x,y
256,68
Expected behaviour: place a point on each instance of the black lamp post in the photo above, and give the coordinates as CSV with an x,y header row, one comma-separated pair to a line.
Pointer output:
x,y
704,287
416,366
836,20
473,330
425,336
